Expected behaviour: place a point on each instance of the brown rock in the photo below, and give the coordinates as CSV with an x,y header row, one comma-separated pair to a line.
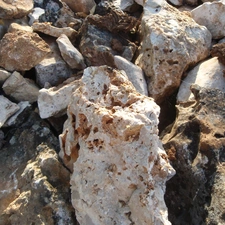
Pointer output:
x,y
22,50
218,50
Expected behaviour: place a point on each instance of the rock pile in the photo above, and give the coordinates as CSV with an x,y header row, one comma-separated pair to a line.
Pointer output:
x,y
96,74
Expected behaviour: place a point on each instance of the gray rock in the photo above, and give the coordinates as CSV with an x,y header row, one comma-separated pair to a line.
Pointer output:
x,y
35,14
4,75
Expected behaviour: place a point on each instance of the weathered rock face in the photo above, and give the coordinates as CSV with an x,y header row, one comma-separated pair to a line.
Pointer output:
x,y
110,142
195,147
15,9
171,42
22,50
34,186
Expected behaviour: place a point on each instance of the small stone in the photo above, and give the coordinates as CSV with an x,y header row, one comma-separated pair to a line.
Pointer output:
x,y
218,50
35,14
4,75
69,53
14,27
20,88
8,108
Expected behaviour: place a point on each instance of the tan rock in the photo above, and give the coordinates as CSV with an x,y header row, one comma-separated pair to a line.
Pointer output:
x,y
22,50
110,142
10,9
14,27
4,75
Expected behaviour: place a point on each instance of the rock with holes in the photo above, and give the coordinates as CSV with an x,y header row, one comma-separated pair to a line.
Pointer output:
x,y
110,143
171,42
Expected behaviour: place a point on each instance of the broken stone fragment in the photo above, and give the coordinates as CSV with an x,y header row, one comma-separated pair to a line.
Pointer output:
x,y
110,142
54,101
15,9
22,50
207,74
171,42
20,88
134,73
35,14
14,27
8,108
69,53
48,29
4,75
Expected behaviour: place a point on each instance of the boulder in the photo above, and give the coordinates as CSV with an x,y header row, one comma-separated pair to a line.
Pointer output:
x,y
20,88
69,53
195,147
22,50
8,108
209,15
110,143
15,9
54,101
171,42
207,74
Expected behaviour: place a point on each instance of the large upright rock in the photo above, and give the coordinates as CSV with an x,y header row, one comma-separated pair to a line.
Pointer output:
x,y
171,42
110,142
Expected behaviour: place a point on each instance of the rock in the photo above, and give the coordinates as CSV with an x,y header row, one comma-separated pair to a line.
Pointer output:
x,y
20,88
124,5
208,14
15,27
34,184
134,73
22,50
218,50
85,6
176,2
8,108
195,146
52,69
2,135
15,9
171,42
48,29
54,101
207,74
4,75
110,142
69,53
35,14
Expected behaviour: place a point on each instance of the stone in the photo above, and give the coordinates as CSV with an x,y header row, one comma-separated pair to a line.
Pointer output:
x,y
110,143
134,73
195,147
48,29
171,43
15,9
52,69
124,5
2,135
22,50
15,27
85,6
218,50
8,108
35,14
69,53
209,15
207,74
176,2
34,184
4,75
20,88
54,101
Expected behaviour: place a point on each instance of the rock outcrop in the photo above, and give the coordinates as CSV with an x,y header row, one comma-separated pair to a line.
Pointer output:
x,y
110,143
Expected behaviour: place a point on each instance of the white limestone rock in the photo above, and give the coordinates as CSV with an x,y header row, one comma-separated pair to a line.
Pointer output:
x,y
110,142
69,53
134,73
210,14
54,101
171,42
20,88
207,74
8,108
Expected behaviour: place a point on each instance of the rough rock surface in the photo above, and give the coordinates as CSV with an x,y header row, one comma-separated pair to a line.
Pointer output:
x,y
15,9
171,42
111,144
195,147
218,50
207,74
22,50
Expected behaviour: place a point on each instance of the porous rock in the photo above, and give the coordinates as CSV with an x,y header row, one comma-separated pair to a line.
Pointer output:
x,y
195,146
22,50
207,74
110,142
171,42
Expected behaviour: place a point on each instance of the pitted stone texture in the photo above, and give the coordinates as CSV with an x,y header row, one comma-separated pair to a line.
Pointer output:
x,y
22,50
54,101
10,9
110,142
207,74
171,42
211,15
